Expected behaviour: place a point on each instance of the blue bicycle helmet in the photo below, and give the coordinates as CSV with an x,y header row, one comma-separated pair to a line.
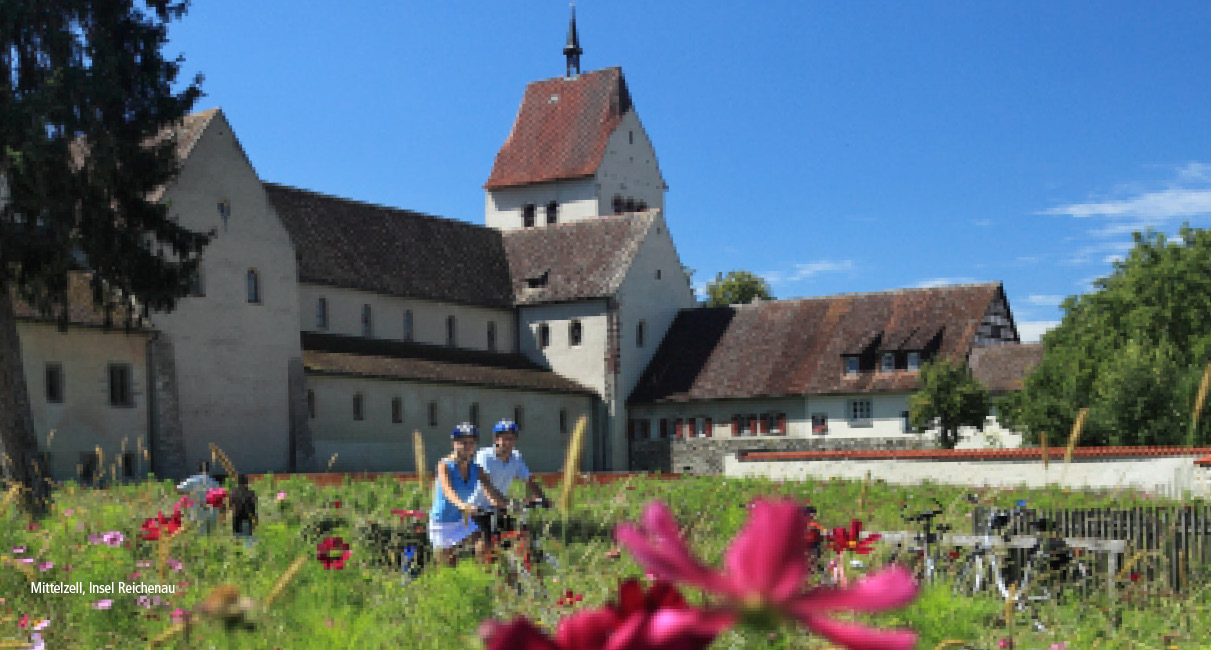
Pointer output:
x,y
505,426
465,429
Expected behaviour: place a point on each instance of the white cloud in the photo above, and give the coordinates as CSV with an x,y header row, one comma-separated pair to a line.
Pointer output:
x,y
983,223
1026,260
1086,253
1030,331
1039,300
806,270
933,283
1194,172
1164,204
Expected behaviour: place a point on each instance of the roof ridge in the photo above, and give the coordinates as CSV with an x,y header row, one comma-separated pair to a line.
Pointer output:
x,y
626,254
378,206
577,77
859,294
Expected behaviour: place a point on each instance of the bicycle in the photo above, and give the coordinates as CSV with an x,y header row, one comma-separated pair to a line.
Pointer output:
x,y
523,558
1048,568
981,561
923,560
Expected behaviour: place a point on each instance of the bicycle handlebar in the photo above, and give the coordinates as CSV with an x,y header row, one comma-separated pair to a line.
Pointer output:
x,y
926,515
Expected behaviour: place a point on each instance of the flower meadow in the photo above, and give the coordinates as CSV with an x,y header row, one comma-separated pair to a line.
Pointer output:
x,y
645,562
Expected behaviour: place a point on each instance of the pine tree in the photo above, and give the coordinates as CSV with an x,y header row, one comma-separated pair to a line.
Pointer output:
x,y
87,131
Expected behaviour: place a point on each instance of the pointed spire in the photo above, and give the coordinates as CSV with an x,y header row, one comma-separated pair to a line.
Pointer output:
x,y
572,50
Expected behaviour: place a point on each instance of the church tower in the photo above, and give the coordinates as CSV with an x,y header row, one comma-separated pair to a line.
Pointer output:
x,y
577,151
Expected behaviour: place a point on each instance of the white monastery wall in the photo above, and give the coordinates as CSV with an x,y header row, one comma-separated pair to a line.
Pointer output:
x,y
376,443
85,419
388,316
232,356
584,363
1168,475
629,168
577,199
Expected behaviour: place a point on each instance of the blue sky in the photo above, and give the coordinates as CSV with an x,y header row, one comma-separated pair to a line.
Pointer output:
x,y
828,146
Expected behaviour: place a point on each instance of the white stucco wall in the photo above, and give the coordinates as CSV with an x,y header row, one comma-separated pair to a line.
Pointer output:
x,y
584,363
387,315
232,356
378,444
629,168
1169,475
85,419
577,198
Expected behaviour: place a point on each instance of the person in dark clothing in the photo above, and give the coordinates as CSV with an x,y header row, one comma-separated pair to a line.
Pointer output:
x,y
243,507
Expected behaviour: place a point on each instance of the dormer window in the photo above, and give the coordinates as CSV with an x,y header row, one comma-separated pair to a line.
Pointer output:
x,y
527,215
851,366
914,361
544,335
552,213
887,362
538,281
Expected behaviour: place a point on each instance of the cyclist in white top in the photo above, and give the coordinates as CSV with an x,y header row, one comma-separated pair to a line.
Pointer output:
x,y
504,464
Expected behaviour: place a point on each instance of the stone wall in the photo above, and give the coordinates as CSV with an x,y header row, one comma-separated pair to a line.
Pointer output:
x,y
705,455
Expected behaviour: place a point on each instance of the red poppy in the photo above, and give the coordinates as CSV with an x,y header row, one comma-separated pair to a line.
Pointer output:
x,y
850,539
215,497
332,553
569,599
336,504
32,526
404,515
152,529
659,618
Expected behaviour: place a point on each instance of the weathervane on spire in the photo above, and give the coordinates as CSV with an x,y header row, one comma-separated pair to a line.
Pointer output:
x,y
572,49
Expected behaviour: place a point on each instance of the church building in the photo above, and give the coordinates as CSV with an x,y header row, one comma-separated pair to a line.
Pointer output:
x,y
323,331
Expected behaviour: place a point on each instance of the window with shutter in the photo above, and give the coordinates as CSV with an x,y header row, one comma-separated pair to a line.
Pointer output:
x,y
764,424
664,427
706,428
735,425
679,428
782,424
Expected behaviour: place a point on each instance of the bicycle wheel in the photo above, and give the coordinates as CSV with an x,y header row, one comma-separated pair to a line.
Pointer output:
x,y
970,579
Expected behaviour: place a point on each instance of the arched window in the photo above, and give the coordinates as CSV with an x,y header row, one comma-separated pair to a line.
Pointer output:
x,y
575,332
367,321
544,335
397,410
407,324
321,313
359,411
473,413
451,331
527,215
254,286
492,335
432,414
518,412
563,420
552,212
639,333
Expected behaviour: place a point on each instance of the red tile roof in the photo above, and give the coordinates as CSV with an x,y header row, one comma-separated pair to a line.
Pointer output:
x,y
575,260
1003,368
561,129
1205,461
1054,454
796,347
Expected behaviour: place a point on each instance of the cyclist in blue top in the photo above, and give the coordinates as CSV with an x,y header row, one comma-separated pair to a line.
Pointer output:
x,y
456,479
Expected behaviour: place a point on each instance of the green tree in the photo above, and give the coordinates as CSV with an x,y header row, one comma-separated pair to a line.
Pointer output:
x,y
1132,351
736,288
87,110
948,398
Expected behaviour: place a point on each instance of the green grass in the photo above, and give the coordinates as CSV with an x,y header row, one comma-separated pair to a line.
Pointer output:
x,y
366,606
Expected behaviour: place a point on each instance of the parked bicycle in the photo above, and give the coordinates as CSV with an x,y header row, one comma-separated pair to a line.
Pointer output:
x,y
921,556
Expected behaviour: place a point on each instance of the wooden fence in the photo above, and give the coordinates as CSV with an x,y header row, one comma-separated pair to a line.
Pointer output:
x,y
1168,548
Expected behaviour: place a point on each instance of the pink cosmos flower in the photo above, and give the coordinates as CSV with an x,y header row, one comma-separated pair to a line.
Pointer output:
x,y
46,566
216,497
18,550
41,625
68,512
36,642
23,621
113,539
173,564
104,603
281,496
179,615
764,570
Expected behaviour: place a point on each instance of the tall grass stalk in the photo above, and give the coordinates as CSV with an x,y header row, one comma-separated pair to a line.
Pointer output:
x,y
1199,401
418,452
